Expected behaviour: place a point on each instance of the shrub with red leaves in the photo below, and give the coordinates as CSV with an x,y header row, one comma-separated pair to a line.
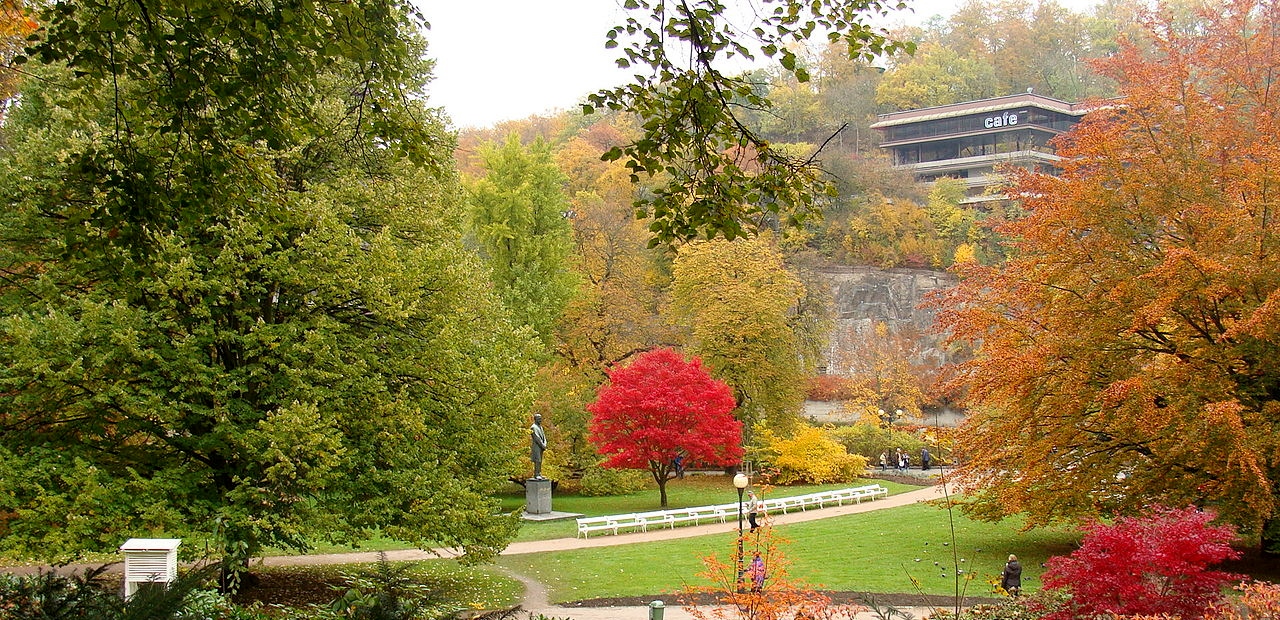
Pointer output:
x,y
1157,564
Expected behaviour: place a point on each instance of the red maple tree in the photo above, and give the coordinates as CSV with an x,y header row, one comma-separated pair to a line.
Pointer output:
x,y
660,407
1156,565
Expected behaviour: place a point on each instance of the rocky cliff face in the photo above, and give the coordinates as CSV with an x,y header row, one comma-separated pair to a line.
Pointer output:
x,y
864,296
861,297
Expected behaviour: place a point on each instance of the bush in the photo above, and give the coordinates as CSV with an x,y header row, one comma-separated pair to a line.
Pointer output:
x,y
1152,565
1004,610
811,456
49,596
601,481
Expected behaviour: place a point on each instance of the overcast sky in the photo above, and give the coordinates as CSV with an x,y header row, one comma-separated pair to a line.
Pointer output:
x,y
500,60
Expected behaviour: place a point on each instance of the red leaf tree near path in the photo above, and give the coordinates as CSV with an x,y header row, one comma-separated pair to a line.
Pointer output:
x,y
1156,565
661,406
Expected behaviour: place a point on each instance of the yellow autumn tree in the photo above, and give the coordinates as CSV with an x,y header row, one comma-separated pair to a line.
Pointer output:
x,y
615,314
15,25
739,303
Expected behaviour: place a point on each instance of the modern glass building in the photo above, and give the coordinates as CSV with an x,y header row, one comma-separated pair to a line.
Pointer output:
x,y
969,140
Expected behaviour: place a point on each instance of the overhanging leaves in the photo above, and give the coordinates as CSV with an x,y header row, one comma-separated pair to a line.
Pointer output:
x,y
718,177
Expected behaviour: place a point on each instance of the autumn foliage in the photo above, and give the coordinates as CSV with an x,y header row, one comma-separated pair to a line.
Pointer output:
x,y
660,407
811,455
780,596
1132,340
15,25
1151,565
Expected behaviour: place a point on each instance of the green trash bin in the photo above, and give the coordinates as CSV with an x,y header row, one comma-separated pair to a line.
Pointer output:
x,y
656,609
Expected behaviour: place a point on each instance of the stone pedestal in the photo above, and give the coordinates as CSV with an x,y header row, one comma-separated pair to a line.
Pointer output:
x,y
537,497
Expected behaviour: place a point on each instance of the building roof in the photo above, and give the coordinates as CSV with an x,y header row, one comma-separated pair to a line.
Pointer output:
x,y
994,104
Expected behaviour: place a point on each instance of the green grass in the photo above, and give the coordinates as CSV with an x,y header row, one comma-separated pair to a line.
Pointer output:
x,y
871,552
690,491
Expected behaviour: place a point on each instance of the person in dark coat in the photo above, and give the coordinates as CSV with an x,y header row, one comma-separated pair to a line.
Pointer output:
x,y
925,458
1011,579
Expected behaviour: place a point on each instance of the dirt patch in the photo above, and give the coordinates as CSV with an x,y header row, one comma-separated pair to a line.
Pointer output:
x,y
291,588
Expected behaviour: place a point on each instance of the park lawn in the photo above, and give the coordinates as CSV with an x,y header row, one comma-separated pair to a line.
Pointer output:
x,y
681,493
882,551
690,491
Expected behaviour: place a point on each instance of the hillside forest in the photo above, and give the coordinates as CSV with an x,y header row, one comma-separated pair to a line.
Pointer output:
x,y
628,296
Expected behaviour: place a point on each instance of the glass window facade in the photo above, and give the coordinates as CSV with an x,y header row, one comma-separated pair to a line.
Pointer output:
x,y
1057,122
974,146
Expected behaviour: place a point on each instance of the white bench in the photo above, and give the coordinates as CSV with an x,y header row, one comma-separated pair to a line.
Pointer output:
x,y
661,517
641,521
611,523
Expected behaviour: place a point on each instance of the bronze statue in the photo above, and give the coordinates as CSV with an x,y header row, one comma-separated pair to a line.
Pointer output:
x,y
537,445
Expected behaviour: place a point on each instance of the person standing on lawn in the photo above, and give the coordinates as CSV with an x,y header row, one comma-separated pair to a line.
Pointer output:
x,y
1011,578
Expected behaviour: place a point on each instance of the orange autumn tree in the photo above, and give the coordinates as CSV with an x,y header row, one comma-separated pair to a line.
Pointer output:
x,y
15,26
730,591
1130,347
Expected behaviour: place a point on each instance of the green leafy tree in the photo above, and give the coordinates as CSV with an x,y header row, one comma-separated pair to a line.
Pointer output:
x,y
738,300
520,217
235,303
716,175
936,75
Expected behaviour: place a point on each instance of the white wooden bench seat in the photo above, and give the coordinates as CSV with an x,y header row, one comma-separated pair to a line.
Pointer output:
x,y
640,522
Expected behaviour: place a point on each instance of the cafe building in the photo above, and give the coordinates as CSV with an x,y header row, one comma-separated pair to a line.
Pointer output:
x,y
969,141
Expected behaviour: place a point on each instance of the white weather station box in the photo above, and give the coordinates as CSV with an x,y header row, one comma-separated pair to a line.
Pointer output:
x,y
149,560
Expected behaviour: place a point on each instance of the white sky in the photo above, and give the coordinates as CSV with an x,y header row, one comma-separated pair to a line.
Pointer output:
x,y
501,60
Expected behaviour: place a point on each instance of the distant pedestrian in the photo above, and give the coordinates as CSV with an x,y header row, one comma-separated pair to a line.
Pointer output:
x,y
884,461
756,508
925,459
1011,578
678,463
897,459
757,573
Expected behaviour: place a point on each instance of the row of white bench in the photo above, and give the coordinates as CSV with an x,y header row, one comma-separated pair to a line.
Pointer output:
x,y
640,521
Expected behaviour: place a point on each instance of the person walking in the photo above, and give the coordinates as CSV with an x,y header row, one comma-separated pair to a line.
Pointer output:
x,y
756,509
1011,578
884,461
924,459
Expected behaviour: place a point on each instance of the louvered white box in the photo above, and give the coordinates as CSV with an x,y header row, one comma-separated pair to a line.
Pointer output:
x,y
149,560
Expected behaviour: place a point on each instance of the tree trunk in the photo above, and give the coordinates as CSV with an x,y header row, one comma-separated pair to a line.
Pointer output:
x,y
660,472
1269,543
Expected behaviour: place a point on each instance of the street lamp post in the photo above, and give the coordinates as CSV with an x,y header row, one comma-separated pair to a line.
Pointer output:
x,y
740,482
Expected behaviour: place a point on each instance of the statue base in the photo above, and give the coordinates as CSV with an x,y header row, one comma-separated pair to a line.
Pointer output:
x,y
537,496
